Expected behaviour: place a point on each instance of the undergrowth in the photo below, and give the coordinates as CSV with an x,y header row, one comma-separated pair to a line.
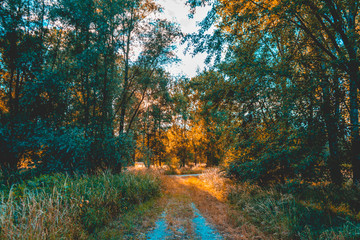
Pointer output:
x,y
288,216
295,210
62,207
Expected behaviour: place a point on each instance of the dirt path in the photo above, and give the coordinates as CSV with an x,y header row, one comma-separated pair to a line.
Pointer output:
x,y
181,218
190,208
191,211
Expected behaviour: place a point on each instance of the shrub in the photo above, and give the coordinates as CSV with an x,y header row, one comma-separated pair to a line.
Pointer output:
x,y
272,155
45,148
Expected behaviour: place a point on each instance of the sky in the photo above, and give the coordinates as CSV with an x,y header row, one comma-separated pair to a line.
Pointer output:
x,y
177,11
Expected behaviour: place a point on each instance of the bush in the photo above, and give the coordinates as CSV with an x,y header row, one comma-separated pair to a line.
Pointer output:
x,y
45,148
272,155
62,207
48,148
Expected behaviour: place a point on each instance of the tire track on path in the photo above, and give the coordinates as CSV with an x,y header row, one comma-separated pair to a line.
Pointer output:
x,y
181,218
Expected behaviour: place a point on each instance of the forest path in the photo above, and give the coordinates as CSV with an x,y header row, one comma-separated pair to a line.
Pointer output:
x,y
190,208
192,211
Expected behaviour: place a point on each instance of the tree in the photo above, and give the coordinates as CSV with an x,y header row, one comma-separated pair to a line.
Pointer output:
x,y
337,40
282,41
69,75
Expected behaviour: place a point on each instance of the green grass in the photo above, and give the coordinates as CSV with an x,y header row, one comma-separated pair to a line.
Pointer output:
x,y
132,224
286,215
62,207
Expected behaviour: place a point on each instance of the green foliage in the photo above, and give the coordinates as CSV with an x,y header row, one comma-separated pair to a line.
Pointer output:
x,y
288,74
274,157
68,82
50,150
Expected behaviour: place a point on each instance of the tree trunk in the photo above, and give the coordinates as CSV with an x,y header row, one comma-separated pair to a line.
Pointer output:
x,y
126,82
353,67
195,156
354,120
332,134
87,92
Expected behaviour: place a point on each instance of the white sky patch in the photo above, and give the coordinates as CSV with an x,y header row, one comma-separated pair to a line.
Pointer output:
x,y
177,11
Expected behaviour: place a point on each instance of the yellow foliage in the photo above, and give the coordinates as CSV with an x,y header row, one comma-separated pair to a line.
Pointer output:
x,y
3,107
228,9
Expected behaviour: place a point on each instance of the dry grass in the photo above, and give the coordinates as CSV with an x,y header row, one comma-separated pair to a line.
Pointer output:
x,y
209,193
178,207
39,216
59,207
173,170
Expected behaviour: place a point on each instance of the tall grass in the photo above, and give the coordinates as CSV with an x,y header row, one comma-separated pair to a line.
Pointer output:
x,y
284,216
62,207
287,212
214,178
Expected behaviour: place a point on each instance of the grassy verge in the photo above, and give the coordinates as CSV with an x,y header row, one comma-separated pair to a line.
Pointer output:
x,y
304,211
60,207
132,224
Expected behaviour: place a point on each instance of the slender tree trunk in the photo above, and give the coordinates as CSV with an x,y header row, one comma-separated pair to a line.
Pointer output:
x,y
332,134
126,82
13,53
87,105
10,98
87,92
354,120
148,149
195,156
10,160
104,100
354,84
17,94
136,111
